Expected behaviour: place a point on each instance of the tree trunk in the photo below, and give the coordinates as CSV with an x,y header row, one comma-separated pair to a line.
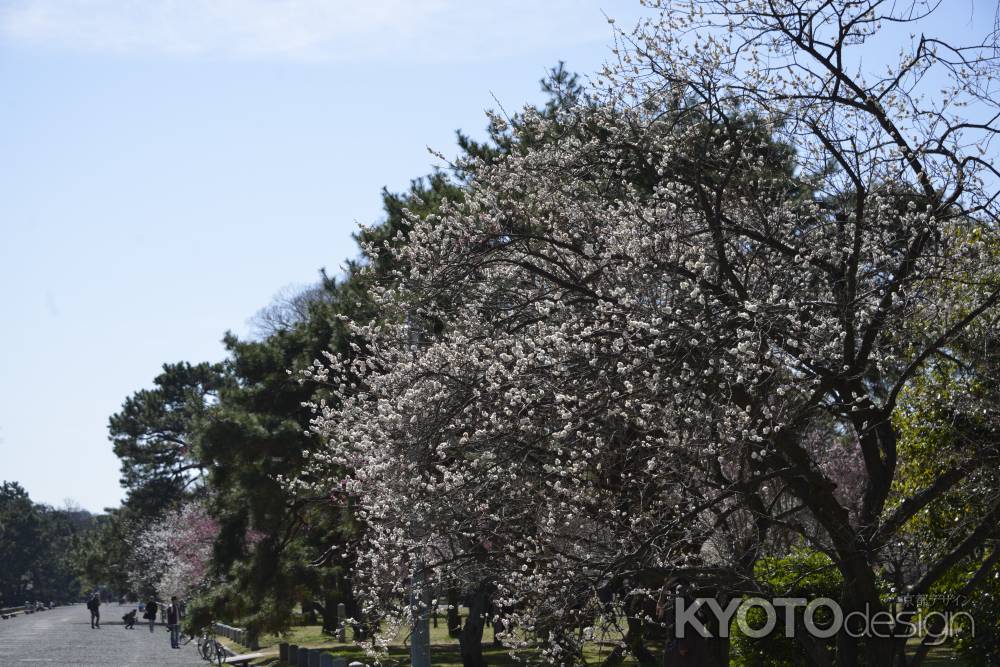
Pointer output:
x,y
454,618
816,649
328,611
869,650
353,609
635,642
697,651
471,638
309,612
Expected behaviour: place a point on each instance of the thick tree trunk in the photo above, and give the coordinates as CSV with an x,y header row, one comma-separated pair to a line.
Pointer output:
x,y
328,612
471,638
636,642
869,651
861,595
847,651
694,650
697,651
900,656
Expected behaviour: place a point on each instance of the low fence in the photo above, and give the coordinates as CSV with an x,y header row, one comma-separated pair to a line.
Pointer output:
x,y
238,635
11,612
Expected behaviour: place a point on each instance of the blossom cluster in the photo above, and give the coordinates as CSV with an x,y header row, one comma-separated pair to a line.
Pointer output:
x,y
171,556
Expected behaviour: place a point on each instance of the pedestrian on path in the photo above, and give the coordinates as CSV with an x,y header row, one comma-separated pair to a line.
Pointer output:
x,y
129,620
94,605
174,622
150,615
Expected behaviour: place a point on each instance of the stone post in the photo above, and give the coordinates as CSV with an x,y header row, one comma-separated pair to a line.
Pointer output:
x,y
283,651
341,622
420,632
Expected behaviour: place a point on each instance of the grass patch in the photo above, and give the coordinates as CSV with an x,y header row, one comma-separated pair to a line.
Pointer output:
x,y
445,650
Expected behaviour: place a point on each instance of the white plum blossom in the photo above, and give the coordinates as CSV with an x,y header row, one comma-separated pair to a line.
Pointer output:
x,y
678,326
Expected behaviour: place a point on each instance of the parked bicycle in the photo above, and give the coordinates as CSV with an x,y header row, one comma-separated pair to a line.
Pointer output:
x,y
210,648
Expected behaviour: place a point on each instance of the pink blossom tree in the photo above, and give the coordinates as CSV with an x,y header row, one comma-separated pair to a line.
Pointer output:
x,y
172,555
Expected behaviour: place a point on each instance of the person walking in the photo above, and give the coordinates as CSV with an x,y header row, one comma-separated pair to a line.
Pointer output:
x,y
174,622
150,615
94,605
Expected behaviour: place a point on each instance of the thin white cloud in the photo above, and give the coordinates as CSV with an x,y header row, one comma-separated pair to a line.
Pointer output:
x,y
306,30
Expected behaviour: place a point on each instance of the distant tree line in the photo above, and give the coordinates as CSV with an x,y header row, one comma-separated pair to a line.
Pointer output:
x,y
40,548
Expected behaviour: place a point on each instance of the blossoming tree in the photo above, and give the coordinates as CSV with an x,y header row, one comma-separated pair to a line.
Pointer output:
x,y
645,351
171,556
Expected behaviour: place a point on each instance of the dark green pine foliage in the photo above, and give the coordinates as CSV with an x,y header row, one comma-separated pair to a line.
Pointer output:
x,y
103,555
277,551
155,435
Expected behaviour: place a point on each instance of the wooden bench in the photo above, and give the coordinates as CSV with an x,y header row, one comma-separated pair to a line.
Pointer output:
x,y
244,659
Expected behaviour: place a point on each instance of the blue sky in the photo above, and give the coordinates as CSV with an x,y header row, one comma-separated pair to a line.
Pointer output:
x,y
166,167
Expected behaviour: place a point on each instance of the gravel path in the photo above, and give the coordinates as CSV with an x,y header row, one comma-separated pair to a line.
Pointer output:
x,y
63,636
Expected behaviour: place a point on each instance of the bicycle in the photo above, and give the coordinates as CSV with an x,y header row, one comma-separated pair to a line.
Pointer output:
x,y
210,649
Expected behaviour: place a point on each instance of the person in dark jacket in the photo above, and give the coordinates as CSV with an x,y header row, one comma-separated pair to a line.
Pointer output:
x,y
174,622
129,620
94,605
150,615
